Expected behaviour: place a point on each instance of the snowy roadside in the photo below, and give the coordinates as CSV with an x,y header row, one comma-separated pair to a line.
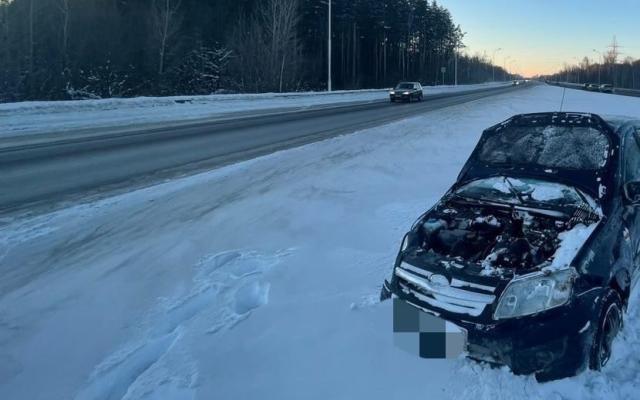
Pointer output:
x,y
259,280
49,116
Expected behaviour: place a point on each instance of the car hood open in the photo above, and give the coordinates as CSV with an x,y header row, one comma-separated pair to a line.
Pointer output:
x,y
599,147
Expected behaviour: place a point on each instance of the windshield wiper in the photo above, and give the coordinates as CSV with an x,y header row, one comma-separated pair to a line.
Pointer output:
x,y
513,190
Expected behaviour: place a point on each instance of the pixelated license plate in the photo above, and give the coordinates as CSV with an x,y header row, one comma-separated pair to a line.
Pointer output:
x,y
424,334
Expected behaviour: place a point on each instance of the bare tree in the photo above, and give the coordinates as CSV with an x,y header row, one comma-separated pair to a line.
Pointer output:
x,y
166,24
4,30
32,40
267,47
280,19
63,5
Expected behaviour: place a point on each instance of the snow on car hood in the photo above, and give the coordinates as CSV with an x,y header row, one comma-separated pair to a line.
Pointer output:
x,y
571,242
570,148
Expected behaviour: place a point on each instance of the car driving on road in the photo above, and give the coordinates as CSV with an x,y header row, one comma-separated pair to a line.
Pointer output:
x,y
606,88
592,87
534,250
406,91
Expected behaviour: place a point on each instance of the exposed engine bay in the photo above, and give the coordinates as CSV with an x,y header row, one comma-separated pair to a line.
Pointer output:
x,y
492,237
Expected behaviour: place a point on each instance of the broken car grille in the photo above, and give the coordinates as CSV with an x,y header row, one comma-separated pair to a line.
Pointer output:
x,y
453,296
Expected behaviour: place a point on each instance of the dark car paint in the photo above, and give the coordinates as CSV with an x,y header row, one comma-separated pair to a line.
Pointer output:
x,y
474,169
609,258
413,93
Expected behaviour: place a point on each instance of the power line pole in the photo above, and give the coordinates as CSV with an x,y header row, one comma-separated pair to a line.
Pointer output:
x,y
329,51
613,57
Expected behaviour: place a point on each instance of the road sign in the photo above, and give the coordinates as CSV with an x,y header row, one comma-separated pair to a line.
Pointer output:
x,y
443,69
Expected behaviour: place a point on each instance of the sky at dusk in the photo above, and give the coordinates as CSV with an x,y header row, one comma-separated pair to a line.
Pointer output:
x,y
540,36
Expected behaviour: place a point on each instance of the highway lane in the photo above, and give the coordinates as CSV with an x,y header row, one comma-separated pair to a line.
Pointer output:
x,y
47,174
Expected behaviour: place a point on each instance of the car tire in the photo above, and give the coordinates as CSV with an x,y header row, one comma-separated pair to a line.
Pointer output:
x,y
610,321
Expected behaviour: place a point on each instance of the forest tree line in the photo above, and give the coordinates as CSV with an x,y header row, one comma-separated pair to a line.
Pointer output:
x,y
608,69
78,49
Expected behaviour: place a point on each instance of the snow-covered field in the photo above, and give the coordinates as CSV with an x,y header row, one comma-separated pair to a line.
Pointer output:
x,y
58,116
260,280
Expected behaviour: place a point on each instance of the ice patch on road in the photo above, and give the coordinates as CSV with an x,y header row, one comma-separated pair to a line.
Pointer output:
x,y
227,287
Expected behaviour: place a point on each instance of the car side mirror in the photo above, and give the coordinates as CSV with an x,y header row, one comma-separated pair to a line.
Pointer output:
x,y
632,192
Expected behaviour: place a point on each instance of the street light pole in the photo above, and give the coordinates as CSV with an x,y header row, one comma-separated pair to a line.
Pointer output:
x,y
455,50
504,68
577,69
455,81
511,63
329,51
599,65
493,63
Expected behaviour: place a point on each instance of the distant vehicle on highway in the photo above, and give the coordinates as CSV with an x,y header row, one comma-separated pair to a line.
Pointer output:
x,y
592,87
534,251
406,91
515,83
606,88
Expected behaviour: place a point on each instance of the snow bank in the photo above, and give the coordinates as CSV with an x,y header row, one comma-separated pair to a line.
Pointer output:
x,y
55,116
258,280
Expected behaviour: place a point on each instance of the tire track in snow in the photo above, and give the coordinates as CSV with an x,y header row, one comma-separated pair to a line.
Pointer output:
x,y
226,288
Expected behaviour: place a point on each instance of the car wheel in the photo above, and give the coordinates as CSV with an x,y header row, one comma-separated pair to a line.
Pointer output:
x,y
609,324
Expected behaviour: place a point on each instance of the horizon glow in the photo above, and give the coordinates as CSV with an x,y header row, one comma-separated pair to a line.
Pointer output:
x,y
539,37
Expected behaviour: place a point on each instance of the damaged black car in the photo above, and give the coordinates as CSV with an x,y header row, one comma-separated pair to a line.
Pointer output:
x,y
534,250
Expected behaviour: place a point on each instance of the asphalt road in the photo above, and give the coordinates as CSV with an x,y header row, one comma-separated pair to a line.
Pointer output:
x,y
45,174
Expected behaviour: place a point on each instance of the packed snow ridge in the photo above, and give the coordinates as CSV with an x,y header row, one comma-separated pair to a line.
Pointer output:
x,y
57,116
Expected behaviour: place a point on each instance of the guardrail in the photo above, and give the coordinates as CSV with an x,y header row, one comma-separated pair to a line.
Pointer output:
x,y
620,91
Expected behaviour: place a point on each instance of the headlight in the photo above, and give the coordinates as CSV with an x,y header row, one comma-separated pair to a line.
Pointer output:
x,y
392,92
405,93
405,243
534,293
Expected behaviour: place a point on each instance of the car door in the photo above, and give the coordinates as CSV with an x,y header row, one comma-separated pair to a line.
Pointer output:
x,y
631,214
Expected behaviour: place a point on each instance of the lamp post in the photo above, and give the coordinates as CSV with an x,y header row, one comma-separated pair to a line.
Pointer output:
x,y
493,63
577,69
455,66
504,68
511,63
599,65
455,50
329,50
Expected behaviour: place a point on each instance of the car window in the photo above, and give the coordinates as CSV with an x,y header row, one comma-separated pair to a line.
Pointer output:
x,y
404,86
632,158
570,147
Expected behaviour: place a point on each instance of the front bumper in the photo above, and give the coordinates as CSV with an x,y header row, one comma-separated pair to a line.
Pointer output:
x,y
401,97
554,343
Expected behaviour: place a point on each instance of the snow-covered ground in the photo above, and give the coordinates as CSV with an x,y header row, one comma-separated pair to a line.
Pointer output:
x,y
58,116
260,280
